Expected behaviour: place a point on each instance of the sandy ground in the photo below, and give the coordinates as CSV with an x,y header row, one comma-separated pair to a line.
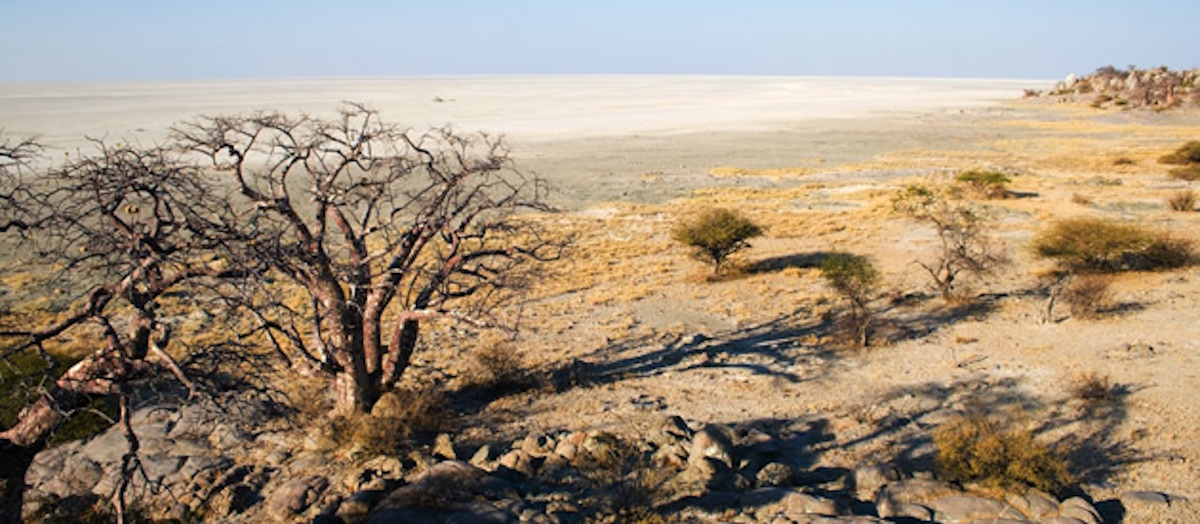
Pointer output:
x,y
630,329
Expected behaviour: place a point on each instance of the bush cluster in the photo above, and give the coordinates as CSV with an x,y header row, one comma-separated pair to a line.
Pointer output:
x,y
975,448
1093,244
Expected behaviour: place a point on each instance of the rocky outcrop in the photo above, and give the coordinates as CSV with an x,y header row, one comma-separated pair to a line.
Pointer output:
x,y
1109,87
227,462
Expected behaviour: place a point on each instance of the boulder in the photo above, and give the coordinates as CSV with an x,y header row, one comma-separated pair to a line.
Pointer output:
x,y
294,496
713,442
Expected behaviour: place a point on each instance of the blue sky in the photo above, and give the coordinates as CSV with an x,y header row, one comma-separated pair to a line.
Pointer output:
x,y
89,40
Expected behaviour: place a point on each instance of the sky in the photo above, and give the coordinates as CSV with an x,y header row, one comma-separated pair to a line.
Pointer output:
x,y
169,40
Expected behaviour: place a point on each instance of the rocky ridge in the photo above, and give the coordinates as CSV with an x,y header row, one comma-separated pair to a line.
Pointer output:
x,y
1109,87
233,461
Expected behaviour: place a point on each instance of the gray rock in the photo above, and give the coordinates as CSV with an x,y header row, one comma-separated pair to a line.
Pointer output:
x,y
970,508
1059,520
1078,508
1034,504
1152,498
869,479
673,429
294,496
712,442
159,467
81,475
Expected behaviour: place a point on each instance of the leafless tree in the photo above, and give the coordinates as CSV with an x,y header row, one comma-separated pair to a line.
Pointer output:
x,y
119,231
376,230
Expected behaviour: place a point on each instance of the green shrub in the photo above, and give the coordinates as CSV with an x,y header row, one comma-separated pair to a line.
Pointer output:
x,y
965,247
989,184
1104,245
1188,153
977,449
715,234
856,279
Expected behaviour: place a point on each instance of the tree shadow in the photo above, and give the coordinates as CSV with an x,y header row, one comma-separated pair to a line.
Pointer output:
x,y
780,263
904,319
773,345
1084,432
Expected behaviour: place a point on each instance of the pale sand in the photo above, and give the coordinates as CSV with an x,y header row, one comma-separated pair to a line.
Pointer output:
x,y
526,108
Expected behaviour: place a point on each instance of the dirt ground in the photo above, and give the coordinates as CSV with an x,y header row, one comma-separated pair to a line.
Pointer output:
x,y
630,328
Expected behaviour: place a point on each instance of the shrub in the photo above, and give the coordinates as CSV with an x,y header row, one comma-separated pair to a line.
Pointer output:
x,y
1191,173
715,234
1124,161
856,279
1188,153
1093,388
1087,296
976,449
1104,245
1183,200
989,184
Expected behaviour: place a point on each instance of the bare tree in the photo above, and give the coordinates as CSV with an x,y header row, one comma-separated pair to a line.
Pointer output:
x,y
963,243
378,230
119,231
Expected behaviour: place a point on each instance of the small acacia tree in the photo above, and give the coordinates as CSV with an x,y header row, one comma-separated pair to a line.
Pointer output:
x,y
374,230
715,234
855,278
963,243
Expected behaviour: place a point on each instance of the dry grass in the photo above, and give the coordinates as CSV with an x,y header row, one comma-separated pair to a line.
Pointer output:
x,y
1183,200
1088,296
1093,388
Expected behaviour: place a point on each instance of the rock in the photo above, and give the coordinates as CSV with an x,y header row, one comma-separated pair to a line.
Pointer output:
x,y
673,429
775,474
233,499
537,445
294,496
868,480
970,508
1078,508
712,442
443,447
894,498
569,446
158,467
482,456
81,475
673,455
518,460
444,483
1034,504
1151,498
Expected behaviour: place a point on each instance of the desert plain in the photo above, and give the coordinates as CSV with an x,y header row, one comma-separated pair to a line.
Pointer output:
x,y
637,329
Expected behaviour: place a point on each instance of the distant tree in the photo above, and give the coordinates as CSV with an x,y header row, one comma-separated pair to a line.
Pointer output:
x,y
715,234
857,280
374,229
963,244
